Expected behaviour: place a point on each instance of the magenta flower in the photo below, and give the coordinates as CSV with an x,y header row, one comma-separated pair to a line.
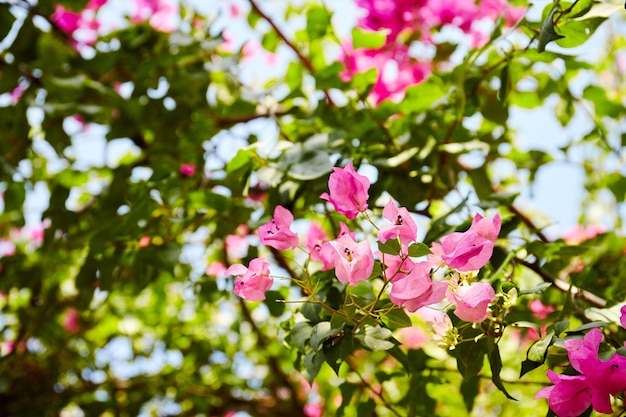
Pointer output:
x,y
252,282
353,261
348,191
416,289
276,232
187,169
572,395
622,318
403,226
315,239
326,253
472,301
470,250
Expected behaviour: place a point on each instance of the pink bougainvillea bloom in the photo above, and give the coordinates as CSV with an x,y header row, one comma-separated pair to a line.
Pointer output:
x,y
71,320
315,239
216,268
252,282
67,20
402,226
471,250
417,289
326,253
187,169
159,13
313,410
569,397
540,310
348,191
413,337
472,301
580,233
276,232
353,261
7,248
572,395
144,242
395,268
622,318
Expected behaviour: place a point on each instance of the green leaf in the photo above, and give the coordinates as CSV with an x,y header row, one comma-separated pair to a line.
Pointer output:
x,y
418,249
322,331
300,334
347,392
558,327
587,326
495,363
6,20
376,338
313,362
368,39
337,348
470,356
390,247
241,160
396,319
311,164
538,351
317,22
538,289
547,33
528,365
576,32
14,197
273,302
469,390
397,159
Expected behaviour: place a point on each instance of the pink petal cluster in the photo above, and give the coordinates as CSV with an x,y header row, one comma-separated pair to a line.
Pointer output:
x,y
353,261
417,289
348,191
579,233
82,26
320,248
571,395
622,318
471,301
159,13
540,310
416,20
471,250
187,169
402,226
252,282
277,233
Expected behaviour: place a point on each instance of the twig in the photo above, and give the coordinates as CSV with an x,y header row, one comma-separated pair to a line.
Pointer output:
x,y
305,61
562,285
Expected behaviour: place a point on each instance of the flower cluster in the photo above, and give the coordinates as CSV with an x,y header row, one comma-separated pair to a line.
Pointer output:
x,y
407,22
597,380
410,282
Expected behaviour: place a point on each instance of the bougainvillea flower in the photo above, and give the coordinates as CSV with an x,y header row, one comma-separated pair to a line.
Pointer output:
x,y
622,318
472,301
471,250
353,261
572,395
569,396
540,310
315,238
395,267
402,226
252,282
348,191
417,289
276,232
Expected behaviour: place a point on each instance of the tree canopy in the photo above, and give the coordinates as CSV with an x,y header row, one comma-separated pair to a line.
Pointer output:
x,y
309,208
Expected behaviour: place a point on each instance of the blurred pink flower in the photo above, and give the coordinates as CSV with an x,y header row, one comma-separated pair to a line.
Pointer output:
x,y
252,282
413,337
7,247
277,233
348,191
71,320
579,233
159,13
353,261
540,310
622,318
313,410
187,169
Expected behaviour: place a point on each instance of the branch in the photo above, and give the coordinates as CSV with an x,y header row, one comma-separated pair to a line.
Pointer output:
x,y
562,285
305,61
